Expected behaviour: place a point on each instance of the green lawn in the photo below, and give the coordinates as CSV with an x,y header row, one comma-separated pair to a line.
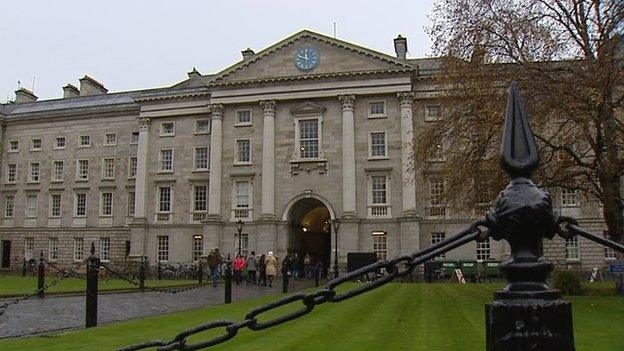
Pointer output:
x,y
395,317
10,285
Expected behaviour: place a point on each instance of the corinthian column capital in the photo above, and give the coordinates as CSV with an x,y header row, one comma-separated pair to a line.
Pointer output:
x,y
348,102
144,123
268,107
406,99
216,110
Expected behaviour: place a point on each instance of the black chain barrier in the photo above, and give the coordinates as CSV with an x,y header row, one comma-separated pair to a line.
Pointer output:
x,y
132,281
398,267
568,227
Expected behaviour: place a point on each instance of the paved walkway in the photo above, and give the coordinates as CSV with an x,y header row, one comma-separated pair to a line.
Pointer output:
x,y
68,312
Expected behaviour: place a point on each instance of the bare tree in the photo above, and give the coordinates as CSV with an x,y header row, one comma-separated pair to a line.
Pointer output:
x,y
568,58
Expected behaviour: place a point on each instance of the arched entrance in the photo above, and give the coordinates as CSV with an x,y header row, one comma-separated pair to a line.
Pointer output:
x,y
309,222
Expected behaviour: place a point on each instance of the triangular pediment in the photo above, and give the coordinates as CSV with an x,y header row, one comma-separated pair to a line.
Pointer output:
x,y
336,58
307,107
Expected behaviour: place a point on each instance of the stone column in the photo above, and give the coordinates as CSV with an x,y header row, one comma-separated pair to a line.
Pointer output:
x,y
138,227
216,146
348,156
407,154
268,160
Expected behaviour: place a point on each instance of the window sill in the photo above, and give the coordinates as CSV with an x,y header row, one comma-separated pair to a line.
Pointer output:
x,y
377,116
32,182
166,135
12,151
433,119
107,179
109,145
84,146
609,259
165,172
134,144
57,181
242,164
202,133
82,180
201,170
35,150
242,125
10,183
308,160
378,158
573,260
58,148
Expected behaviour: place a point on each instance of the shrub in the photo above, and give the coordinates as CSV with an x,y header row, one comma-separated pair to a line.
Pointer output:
x,y
567,282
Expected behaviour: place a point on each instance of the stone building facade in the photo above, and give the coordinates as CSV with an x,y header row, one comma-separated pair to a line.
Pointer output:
x,y
288,140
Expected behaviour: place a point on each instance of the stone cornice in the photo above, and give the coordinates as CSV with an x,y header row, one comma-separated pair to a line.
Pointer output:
x,y
173,95
82,113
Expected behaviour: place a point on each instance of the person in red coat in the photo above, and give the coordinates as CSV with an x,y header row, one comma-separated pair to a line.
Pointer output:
x,y
238,265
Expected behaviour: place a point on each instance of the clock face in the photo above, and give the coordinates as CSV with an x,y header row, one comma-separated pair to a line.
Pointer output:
x,y
307,58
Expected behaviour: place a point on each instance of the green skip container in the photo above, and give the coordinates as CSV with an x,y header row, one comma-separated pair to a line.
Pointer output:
x,y
492,269
469,268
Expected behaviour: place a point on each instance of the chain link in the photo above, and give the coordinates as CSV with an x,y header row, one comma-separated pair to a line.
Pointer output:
x,y
132,281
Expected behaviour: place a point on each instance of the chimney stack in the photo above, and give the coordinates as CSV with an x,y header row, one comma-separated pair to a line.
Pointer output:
x,y
90,86
193,74
70,91
23,95
400,47
247,54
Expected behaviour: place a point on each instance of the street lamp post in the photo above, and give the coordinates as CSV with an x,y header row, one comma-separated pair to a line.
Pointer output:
x,y
239,227
336,225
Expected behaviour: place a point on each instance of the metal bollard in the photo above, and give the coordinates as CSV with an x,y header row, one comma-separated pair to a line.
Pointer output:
x,y
41,277
142,268
228,283
285,282
200,272
93,270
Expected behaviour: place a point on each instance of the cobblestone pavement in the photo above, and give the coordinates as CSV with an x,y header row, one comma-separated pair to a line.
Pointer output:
x,y
68,312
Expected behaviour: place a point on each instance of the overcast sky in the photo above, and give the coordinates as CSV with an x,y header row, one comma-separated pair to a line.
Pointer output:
x,y
132,44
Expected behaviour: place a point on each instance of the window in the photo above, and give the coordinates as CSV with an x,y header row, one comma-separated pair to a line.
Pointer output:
x,y
433,113
198,247
609,253
33,175
55,205
164,210
60,143
110,139
378,184
29,247
309,138
31,206
201,158
167,129
108,168
132,167
436,193
242,200
11,173
244,244
378,196
243,117
377,109
380,245
35,145
243,151
85,141
202,126
81,205
106,204
14,146
131,203
163,248
166,160
437,237
484,250
134,138
105,246
378,145
82,170
200,198
9,205
78,249
58,171
572,249
53,248
569,198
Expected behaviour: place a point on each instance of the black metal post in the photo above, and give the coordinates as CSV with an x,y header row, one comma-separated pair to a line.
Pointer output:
x,y
239,227
336,228
528,314
142,268
41,276
93,270
159,271
228,282
24,268
200,272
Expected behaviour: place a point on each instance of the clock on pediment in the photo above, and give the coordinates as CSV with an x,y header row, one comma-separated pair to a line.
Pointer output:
x,y
307,58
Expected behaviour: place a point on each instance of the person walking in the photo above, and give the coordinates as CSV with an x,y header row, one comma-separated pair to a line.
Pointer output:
x,y
214,264
271,268
252,265
239,264
262,277
287,266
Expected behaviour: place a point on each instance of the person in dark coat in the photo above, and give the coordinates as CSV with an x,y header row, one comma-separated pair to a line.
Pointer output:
x,y
262,279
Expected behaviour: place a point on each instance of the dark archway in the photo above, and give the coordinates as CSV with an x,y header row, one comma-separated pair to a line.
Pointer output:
x,y
309,223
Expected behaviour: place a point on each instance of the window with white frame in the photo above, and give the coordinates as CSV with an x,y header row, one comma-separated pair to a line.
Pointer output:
x,y
308,138
58,171
378,145
380,245
78,249
243,151
166,160
11,173
110,139
609,253
433,113
85,141
80,209
60,143
484,250
198,247
132,167
13,145
377,109
163,248
34,172
573,248
438,237
244,244
134,138
200,198
241,200
201,158
82,170
108,168
106,204
105,249
31,206
379,204
53,248
436,194
164,204
131,203
243,117
569,197
55,205
202,126
167,129
9,206
36,145
29,247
